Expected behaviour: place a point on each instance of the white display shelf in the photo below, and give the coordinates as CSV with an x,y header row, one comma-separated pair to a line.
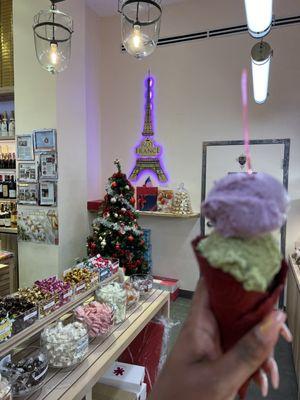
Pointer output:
x,y
167,215
40,324
7,138
8,230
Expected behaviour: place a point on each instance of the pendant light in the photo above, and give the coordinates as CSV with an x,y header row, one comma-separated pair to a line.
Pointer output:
x,y
261,55
259,17
140,25
52,38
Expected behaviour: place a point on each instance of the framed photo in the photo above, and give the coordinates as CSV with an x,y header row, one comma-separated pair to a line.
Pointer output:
x,y
48,165
45,140
25,148
27,171
47,193
28,193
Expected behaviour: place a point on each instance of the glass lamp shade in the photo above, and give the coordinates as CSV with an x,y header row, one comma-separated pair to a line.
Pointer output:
x,y
52,38
261,55
140,26
259,17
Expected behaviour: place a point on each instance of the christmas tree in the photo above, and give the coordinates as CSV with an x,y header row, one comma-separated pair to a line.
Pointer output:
x,y
116,232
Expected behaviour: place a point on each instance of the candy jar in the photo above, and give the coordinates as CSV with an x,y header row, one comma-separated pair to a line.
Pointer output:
x,y
26,371
5,389
98,317
133,295
182,201
142,283
65,345
114,295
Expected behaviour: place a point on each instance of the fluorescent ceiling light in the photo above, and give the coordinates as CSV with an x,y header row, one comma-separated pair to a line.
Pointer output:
x,y
261,55
259,17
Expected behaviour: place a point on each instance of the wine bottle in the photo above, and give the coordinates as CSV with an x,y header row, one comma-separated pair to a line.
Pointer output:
x,y
1,188
14,161
5,187
12,188
7,217
2,216
11,125
14,214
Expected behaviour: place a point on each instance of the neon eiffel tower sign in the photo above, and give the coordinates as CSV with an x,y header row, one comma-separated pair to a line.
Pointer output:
x,y
148,153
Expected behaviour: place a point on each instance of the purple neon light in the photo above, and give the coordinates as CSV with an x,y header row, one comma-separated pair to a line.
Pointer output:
x,y
147,172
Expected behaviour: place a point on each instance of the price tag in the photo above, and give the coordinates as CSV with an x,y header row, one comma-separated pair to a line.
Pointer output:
x,y
29,316
83,344
94,279
5,330
49,305
38,377
68,294
78,288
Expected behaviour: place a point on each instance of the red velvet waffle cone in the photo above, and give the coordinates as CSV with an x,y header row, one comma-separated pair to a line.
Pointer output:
x,y
237,310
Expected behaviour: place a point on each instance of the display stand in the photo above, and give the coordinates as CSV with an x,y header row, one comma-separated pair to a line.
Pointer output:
x,y
77,383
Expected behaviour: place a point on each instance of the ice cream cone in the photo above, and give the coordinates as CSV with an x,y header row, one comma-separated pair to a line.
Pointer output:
x,y
236,310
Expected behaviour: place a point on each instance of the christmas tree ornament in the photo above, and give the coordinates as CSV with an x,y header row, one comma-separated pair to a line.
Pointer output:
x,y
116,228
127,187
182,201
114,184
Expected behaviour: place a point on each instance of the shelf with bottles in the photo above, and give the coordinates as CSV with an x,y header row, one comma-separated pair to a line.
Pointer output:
x,y
7,158
7,124
8,216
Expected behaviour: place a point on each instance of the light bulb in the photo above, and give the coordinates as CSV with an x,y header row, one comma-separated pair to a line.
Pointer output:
x,y
53,53
135,40
261,60
259,17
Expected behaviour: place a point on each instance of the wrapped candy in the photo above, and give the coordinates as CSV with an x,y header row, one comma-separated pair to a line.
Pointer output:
x,y
27,374
21,312
43,300
114,295
142,283
99,318
62,291
81,279
65,345
182,201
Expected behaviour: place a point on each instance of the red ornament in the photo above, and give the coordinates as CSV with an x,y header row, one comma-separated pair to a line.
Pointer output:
x,y
132,201
114,184
117,246
131,238
142,242
93,246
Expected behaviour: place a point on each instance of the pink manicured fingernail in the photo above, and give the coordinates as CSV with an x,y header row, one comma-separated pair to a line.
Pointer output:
x,y
265,385
274,373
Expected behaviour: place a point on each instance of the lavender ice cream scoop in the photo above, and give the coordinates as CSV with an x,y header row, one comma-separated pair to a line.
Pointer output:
x,y
244,205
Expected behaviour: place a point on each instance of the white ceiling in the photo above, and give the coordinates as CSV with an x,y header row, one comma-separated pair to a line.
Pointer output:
x,y
107,8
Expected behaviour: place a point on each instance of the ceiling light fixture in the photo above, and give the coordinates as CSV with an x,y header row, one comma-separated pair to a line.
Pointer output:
x,y
261,55
140,24
259,17
53,31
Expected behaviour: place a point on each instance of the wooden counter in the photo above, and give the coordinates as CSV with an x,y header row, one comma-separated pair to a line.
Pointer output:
x,y
76,383
293,312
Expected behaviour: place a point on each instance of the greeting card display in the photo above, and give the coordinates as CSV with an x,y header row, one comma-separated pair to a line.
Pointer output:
x,y
28,193
27,171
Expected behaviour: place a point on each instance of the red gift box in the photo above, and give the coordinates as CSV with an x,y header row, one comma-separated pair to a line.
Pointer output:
x,y
145,350
146,198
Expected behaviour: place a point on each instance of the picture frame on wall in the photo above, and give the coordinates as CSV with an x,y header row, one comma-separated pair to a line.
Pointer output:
x,y
27,171
25,147
48,166
45,140
47,194
28,193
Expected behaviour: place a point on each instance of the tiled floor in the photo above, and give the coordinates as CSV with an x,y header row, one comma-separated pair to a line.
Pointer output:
x,y
288,385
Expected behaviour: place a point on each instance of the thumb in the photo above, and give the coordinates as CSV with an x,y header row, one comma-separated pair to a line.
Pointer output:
x,y
240,363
